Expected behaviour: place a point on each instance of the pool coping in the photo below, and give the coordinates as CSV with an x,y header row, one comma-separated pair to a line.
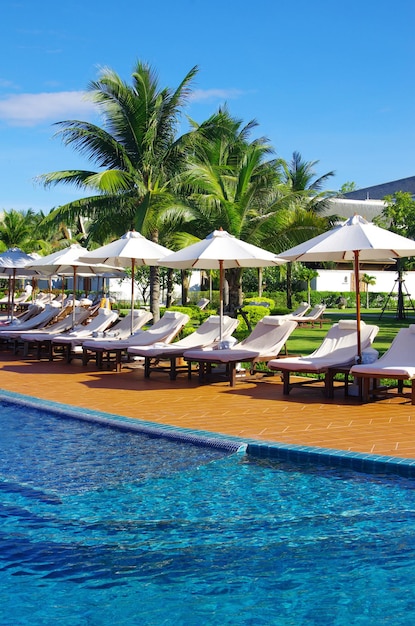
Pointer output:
x,y
130,424
294,453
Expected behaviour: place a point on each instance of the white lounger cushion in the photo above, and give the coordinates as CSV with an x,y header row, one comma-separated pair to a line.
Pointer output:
x,y
164,330
274,320
103,319
349,324
399,360
208,333
338,348
266,340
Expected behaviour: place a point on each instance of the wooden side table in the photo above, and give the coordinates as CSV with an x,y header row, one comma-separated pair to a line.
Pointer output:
x,y
329,382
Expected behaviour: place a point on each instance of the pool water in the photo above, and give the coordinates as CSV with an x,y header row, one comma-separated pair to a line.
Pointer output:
x,y
100,526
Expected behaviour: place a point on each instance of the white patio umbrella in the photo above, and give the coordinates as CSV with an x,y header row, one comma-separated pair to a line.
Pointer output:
x,y
131,250
356,240
221,251
14,263
66,262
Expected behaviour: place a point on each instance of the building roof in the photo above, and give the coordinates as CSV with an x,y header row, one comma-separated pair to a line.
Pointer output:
x,y
343,207
378,192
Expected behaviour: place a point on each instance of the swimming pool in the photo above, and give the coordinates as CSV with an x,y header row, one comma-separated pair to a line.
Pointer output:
x,y
102,525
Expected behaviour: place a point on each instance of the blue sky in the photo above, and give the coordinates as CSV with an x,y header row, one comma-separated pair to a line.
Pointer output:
x,y
332,80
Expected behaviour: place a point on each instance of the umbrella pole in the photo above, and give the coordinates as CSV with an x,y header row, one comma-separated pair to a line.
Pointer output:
x,y
9,298
221,286
357,287
132,296
12,298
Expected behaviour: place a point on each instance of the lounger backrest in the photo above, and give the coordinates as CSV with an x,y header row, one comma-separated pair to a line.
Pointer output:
x,y
268,334
32,310
301,310
402,349
316,312
122,328
341,341
99,323
202,304
165,329
46,315
44,297
22,298
64,324
209,332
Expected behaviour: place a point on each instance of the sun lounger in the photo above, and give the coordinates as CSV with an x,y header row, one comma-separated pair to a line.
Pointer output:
x,y
66,342
265,342
315,315
165,330
122,328
338,350
18,300
48,313
41,339
202,304
119,331
207,334
41,298
301,310
5,301
398,363
31,311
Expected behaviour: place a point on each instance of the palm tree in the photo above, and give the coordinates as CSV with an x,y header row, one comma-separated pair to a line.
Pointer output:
x,y
291,227
307,274
231,185
368,280
137,156
300,175
309,200
21,229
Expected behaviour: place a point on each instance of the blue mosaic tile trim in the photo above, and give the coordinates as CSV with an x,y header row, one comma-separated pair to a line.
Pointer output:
x,y
111,420
300,455
368,463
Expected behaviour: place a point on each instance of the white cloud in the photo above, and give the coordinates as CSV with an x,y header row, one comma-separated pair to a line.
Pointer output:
x,y
29,109
200,95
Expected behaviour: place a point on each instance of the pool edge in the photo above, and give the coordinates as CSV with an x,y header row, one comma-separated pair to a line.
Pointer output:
x,y
300,454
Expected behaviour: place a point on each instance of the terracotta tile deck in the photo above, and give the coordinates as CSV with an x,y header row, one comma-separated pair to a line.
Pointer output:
x,y
254,409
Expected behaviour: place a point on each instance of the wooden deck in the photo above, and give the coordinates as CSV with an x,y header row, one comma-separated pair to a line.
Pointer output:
x,y
253,409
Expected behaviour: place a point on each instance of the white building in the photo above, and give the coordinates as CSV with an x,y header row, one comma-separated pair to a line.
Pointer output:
x,y
343,280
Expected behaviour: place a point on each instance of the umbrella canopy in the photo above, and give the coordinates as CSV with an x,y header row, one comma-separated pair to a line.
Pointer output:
x,y
221,251
13,263
356,240
66,262
131,250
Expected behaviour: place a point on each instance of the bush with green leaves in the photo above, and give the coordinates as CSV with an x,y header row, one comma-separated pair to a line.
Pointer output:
x,y
261,301
253,314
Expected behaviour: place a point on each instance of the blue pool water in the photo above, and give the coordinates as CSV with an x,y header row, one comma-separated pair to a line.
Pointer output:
x,y
100,526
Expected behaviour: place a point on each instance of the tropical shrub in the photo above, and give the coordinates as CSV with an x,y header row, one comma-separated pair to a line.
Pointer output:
x,y
267,302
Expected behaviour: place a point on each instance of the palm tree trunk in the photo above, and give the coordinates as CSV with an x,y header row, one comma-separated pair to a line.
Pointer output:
x,y
155,292
234,278
169,285
185,275
289,288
